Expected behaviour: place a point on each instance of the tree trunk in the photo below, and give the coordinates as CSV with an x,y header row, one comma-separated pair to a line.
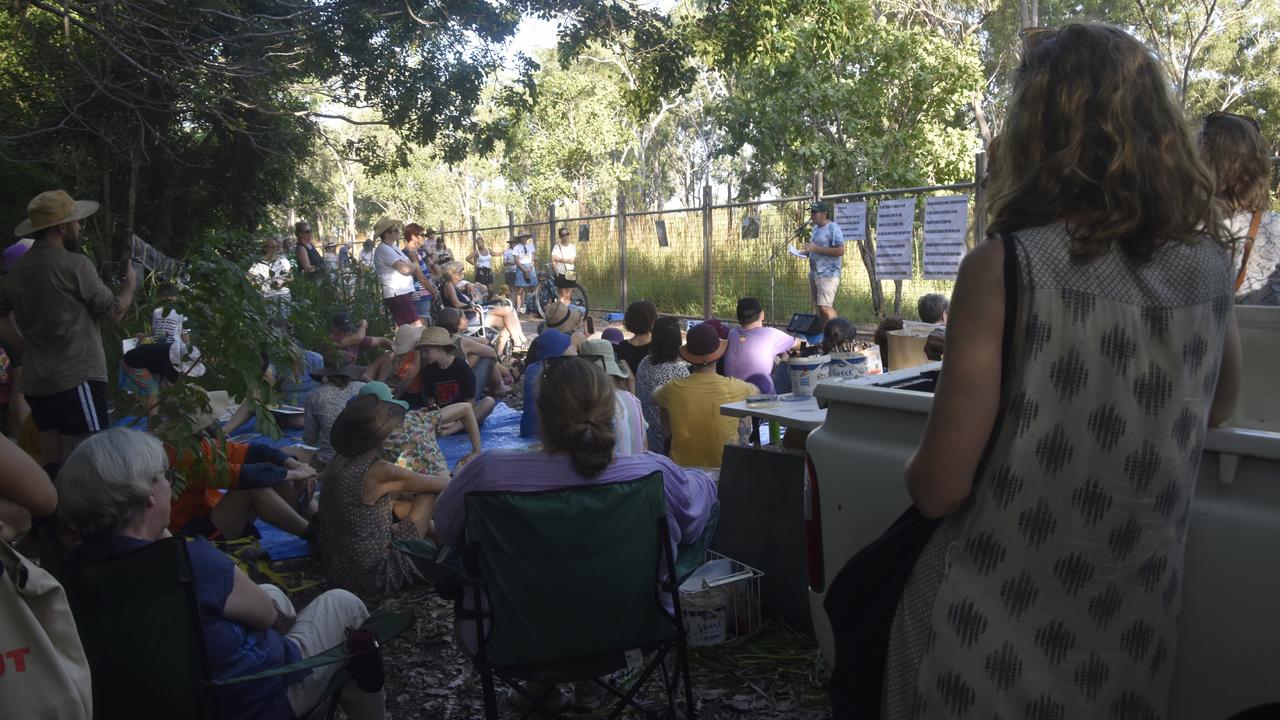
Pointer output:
x,y
897,298
868,253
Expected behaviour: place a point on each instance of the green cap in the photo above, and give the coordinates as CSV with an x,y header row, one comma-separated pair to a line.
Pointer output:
x,y
820,206
380,390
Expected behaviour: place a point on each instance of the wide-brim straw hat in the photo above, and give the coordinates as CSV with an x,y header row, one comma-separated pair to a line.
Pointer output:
x,y
703,345
386,224
364,424
406,339
564,318
604,349
53,207
436,336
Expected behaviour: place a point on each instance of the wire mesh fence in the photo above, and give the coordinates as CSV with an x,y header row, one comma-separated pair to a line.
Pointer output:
x,y
699,261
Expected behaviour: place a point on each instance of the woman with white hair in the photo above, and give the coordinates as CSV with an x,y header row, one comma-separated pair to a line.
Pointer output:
x,y
114,491
501,317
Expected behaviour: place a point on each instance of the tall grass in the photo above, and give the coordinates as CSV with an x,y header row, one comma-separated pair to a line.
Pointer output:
x,y
673,276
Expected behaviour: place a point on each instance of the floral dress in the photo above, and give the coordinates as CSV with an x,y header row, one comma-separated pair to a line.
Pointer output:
x,y
413,445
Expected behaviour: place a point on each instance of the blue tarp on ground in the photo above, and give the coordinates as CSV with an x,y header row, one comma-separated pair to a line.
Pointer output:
x,y
501,431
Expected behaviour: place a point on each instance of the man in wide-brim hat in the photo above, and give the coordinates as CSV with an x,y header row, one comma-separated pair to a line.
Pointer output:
x,y
50,306
691,405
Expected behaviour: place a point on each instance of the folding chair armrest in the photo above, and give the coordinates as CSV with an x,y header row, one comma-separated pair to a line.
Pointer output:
x,y
429,559
383,625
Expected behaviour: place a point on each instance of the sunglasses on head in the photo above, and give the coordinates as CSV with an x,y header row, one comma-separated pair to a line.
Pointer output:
x,y
557,361
1034,37
1218,115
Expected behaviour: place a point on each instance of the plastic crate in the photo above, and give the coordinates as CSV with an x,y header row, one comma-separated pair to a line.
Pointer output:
x,y
723,605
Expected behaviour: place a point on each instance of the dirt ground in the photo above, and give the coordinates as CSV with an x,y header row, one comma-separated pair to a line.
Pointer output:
x,y
775,674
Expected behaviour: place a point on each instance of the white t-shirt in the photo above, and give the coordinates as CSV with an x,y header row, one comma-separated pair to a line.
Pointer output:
x,y
524,255
563,258
166,327
394,283
271,276
509,259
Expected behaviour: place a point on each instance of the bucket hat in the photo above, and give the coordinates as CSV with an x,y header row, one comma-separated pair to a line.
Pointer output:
x,y
53,207
604,349
564,318
703,345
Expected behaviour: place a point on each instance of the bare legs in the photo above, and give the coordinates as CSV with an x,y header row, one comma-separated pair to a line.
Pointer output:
x,y
238,509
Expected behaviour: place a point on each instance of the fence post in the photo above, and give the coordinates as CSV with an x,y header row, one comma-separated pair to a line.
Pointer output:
x,y
551,223
706,252
622,249
511,225
979,197
473,233
817,185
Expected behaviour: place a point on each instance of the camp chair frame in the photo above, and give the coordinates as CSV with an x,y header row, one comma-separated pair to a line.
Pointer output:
x,y
473,591
177,617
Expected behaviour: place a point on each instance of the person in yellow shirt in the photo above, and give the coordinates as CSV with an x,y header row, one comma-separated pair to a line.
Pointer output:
x,y
690,406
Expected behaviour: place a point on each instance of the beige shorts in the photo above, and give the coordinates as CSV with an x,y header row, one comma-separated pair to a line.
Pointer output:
x,y
822,290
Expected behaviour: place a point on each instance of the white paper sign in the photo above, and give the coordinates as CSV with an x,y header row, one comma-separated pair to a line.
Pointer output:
x,y
851,218
946,221
895,228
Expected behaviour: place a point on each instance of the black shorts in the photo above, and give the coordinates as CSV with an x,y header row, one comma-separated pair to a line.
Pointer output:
x,y
82,410
563,282
484,276
402,309
154,358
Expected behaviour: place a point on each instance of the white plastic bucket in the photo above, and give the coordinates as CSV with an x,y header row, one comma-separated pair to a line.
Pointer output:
x,y
847,365
705,617
806,372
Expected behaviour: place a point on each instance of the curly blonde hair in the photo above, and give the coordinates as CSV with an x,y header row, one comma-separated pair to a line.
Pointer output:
x,y
1094,139
1240,160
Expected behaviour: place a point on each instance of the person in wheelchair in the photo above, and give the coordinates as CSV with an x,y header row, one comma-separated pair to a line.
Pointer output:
x,y
114,491
502,318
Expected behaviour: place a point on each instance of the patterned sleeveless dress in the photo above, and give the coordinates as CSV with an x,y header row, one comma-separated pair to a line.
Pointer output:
x,y
356,537
1054,592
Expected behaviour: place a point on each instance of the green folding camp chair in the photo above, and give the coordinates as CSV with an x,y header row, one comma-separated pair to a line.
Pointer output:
x,y
570,583
140,627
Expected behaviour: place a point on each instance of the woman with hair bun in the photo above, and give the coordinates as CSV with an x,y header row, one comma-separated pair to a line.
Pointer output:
x,y
1090,345
576,411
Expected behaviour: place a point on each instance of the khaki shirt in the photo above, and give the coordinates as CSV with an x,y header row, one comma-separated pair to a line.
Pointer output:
x,y
58,299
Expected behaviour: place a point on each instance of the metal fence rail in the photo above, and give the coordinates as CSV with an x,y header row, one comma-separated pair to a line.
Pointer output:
x,y
717,253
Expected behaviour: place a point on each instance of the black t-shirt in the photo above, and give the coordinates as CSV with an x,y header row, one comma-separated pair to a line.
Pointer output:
x,y
633,354
450,385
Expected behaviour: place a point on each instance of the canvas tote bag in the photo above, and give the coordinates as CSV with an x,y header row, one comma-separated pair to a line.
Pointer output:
x,y
43,670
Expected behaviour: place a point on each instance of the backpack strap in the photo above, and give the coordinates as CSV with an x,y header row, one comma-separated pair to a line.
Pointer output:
x,y
1248,248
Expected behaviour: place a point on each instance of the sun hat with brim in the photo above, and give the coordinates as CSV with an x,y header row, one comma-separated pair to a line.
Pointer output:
x,y
351,372
564,318
436,336
548,343
53,207
384,225
521,236
703,345
382,391
613,335
365,423
219,404
406,339
604,349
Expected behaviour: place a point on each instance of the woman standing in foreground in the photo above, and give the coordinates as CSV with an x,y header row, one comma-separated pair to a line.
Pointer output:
x,y
1063,443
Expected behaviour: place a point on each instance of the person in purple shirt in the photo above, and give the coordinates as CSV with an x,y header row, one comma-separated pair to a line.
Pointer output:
x,y
753,347
577,450
114,491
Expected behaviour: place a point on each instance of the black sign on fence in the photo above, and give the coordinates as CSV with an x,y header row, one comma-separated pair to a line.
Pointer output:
x,y
584,232
660,226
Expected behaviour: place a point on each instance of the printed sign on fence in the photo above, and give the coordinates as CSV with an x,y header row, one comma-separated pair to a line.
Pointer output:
x,y
154,260
895,228
946,220
851,217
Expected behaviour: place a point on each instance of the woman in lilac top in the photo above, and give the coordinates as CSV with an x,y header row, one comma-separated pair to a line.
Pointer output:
x,y
577,450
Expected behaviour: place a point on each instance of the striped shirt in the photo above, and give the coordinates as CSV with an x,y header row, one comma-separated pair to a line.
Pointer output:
x,y
628,425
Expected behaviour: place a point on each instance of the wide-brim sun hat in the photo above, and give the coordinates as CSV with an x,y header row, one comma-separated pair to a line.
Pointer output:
x,y
436,336
406,339
604,349
53,207
703,345
564,318
364,424
386,224
351,372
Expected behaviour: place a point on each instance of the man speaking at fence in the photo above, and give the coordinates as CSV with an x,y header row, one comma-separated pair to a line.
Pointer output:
x,y
826,252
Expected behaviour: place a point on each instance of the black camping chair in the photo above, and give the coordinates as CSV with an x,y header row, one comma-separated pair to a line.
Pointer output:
x,y
140,626
571,583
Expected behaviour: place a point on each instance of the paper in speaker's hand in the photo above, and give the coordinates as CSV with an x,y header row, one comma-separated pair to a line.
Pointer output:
x,y
792,249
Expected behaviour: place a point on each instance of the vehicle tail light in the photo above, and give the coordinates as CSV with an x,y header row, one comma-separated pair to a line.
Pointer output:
x,y
813,528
